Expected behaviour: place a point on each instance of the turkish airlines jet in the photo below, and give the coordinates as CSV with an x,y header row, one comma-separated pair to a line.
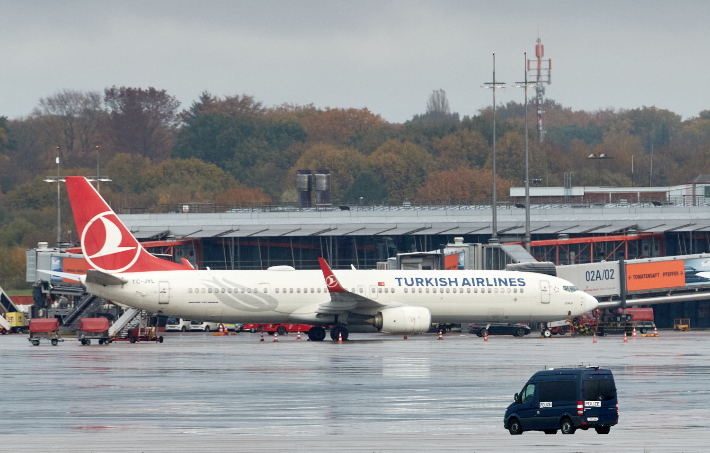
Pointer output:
x,y
120,269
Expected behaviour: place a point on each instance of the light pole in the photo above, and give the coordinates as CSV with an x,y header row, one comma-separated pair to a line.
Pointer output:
x,y
58,179
599,159
525,84
99,178
493,85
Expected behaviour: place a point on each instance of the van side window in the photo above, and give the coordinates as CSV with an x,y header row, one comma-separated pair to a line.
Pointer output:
x,y
528,393
556,391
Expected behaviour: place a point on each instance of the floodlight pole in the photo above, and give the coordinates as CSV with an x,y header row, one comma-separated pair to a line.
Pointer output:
x,y
494,85
526,238
59,207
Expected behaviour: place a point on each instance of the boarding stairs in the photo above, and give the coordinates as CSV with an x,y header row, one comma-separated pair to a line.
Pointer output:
x,y
6,306
89,306
126,322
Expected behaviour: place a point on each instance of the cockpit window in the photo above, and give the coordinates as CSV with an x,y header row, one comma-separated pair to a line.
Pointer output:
x,y
571,289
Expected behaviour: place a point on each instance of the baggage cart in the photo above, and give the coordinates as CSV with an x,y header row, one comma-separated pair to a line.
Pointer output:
x,y
47,329
93,329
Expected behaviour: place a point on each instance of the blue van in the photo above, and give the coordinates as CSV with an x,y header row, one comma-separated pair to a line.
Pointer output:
x,y
565,399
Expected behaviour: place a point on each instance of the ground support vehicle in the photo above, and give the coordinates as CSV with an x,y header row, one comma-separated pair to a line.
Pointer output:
x,y
283,329
681,324
252,328
565,399
517,330
44,329
204,326
17,322
93,329
177,325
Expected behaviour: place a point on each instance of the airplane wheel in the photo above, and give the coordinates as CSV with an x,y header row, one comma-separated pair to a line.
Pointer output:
x,y
344,332
334,333
310,334
318,334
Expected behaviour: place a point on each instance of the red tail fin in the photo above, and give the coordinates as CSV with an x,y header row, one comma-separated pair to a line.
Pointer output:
x,y
105,241
331,280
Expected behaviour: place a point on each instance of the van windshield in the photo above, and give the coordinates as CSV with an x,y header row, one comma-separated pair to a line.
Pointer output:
x,y
173,321
599,390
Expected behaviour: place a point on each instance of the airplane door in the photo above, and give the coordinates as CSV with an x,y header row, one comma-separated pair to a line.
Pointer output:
x,y
163,292
373,292
545,291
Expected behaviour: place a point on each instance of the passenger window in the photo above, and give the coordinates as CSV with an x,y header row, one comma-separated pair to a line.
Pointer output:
x,y
379,290
229,290
298,290
256,290
266,290
222,290
318,289
427,290
468,290
313,290
392,290
387,290
515,290
290,290
475,290
495,290
420,290
276,289
243,290
189,290
508,289
521,290
528,393
490,290
361,290
373,290
406,290
209,290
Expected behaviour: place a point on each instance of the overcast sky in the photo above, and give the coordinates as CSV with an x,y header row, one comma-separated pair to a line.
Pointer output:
x,y
386,56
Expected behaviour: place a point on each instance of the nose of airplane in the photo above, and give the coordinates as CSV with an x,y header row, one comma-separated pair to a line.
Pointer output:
x,y
591,302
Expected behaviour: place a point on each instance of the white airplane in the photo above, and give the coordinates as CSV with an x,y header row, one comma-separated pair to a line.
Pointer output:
x,y
120,269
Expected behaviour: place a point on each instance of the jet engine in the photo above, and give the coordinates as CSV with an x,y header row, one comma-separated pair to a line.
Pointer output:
x,y
405,319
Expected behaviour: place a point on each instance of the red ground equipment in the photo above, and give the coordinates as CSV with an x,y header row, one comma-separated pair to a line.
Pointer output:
x,y
93,329
41,328
283,329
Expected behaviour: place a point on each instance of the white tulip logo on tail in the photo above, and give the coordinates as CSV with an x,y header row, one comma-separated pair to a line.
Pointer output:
x,y
104,245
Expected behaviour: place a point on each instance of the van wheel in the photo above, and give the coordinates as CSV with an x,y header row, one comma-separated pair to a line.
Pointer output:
x,y
643,330
184,329
602,429
550,431
207,328
567,427
520,333
281,330
514,427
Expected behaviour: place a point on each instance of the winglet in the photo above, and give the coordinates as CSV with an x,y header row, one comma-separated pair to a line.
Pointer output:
x,y
331,280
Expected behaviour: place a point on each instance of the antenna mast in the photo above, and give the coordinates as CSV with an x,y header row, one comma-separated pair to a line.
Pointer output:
x,y
539,71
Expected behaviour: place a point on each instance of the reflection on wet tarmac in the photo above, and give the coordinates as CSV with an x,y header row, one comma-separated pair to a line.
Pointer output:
x,y
376,392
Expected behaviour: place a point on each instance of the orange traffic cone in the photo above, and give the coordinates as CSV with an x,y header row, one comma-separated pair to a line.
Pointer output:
x,y
340,337
299,335
633,334
440,337
625,340
262,336
655,331
405,336
595,338
276,337
221,328
485,335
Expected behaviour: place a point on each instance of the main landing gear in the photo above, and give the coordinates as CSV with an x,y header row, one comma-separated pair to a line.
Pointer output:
x,y
317,333
337,331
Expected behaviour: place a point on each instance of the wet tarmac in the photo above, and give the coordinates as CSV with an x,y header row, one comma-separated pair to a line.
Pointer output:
x,y
376,392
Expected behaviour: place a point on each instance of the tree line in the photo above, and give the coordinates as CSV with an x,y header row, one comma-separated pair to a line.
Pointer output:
x,y
234,149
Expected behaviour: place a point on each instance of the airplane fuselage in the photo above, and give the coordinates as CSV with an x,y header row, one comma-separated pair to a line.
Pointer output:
x,y
275,296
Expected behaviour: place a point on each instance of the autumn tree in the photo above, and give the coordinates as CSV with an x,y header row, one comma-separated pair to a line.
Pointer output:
x,y
437,110
463,185
403,166
142,121
338,126
463,148
70,122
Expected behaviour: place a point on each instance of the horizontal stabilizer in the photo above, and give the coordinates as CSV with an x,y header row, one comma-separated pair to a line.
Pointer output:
x,y
66,275
102,278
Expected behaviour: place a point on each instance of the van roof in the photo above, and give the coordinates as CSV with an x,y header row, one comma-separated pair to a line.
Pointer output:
x,y
573,372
